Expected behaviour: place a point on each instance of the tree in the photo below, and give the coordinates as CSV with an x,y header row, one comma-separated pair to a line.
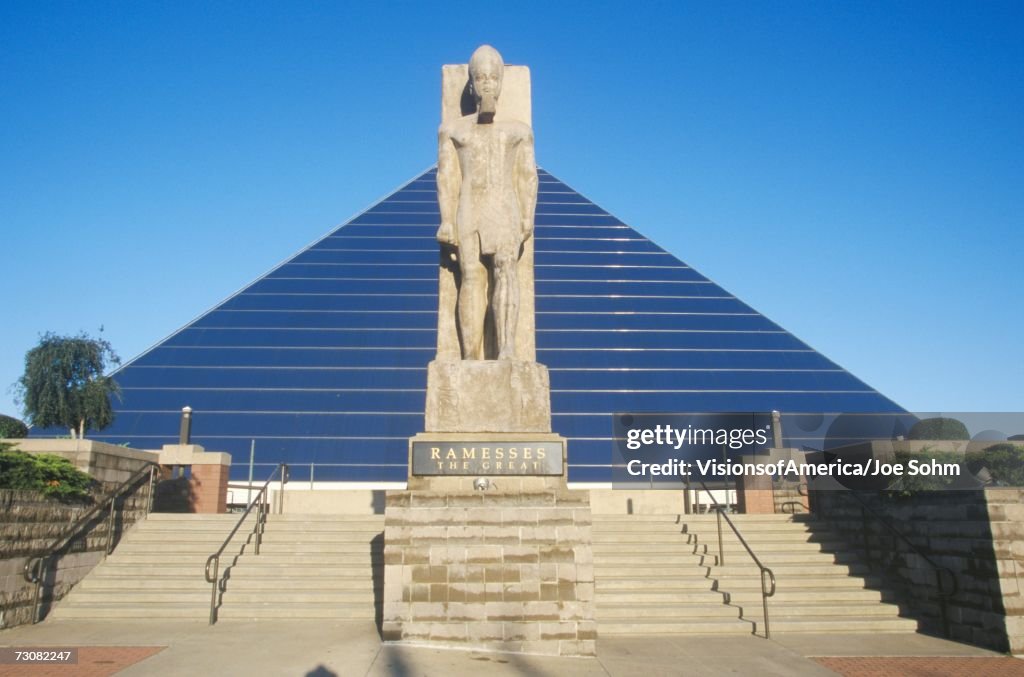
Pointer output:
x,y
65,383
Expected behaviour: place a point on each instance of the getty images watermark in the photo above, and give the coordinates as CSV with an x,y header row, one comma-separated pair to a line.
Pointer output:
x,y
871,451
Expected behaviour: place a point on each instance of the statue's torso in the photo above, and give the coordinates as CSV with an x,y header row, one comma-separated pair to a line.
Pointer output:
x,y
488,203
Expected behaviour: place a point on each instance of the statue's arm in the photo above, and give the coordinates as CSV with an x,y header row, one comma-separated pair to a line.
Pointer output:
x,y
526,184
448,181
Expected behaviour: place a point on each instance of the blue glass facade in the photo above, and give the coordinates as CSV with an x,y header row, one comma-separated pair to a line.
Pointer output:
x,y
323,360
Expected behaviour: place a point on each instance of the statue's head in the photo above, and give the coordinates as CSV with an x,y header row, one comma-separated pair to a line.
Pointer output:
x,y
485,72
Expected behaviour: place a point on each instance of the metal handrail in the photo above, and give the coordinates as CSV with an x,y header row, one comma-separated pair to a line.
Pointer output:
x,y
37,565
262,508
765,592
944,595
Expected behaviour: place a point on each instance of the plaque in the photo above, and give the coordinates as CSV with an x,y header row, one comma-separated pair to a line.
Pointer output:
x,y
487,458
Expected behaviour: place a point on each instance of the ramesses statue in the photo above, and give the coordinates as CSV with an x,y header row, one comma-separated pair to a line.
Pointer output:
x,y
487,193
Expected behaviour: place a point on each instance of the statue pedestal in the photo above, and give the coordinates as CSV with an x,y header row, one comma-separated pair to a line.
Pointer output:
x,y
471,396
508,567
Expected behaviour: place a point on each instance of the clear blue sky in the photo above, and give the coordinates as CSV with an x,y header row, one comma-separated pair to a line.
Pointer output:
x,y
852,170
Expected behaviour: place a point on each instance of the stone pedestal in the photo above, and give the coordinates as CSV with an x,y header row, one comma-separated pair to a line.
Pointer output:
x,y
491,570
505,568
488,396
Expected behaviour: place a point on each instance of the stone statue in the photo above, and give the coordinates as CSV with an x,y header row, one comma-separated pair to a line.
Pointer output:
x,y
487,193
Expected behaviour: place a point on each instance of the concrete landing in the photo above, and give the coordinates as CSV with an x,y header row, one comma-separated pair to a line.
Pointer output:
x,y
323,649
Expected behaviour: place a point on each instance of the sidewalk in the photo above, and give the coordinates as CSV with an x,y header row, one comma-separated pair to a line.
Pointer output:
x,y
325,649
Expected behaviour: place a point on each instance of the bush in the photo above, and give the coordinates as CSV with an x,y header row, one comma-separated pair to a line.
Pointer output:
x,y
1016,438
912,483
938,429
12,428
1005,462
52,475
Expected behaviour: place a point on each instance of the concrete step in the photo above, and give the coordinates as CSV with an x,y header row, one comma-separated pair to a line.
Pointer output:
x,y
686,568
131,610
697,626
176,547
699,597
648,548
285,574
235,596
801,556
669,569
267,584
666,584
739,583
614,612
318,517
141,557
326,611
324,527
801,594
152,572
787,570
195,596
183,535
277,547
781,537
194,518
765,550
841,624
783,609
294,540
698,518
190,583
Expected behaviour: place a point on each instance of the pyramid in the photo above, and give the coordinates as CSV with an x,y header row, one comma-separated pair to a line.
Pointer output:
x,y
323,359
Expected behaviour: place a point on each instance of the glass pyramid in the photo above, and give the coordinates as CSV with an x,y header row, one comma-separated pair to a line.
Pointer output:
x,y
323,360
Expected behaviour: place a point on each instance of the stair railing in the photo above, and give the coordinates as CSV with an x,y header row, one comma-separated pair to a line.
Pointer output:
x,y
39,565
767,575
940,580
262,505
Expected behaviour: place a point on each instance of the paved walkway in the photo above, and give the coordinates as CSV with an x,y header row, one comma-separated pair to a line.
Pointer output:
x,y
326,649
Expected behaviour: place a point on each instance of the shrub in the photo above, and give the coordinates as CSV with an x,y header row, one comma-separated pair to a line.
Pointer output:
x,y
1005,462
911,483
938,429
52,475
12,428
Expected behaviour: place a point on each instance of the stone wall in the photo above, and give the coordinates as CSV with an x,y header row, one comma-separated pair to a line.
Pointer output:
x,y
107,463
29,522
979,535
489,570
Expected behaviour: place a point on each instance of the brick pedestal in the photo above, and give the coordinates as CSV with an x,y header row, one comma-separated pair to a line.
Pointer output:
x,y
487,570
206,490
755,495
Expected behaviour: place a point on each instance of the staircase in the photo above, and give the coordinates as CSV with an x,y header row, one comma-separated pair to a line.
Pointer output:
x,y
655,576
649,581
309,566
155,572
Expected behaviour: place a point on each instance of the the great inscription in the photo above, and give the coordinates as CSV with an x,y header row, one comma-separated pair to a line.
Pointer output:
x,y
486,458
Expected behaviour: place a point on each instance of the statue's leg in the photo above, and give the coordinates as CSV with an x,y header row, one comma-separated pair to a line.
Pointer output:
x,y
506,304
472,299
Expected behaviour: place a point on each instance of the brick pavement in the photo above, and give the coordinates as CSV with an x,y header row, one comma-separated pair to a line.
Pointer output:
x,y
923,666
93,661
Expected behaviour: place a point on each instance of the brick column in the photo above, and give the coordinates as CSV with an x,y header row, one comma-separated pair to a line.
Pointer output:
x,y
755,495
210,488
207,489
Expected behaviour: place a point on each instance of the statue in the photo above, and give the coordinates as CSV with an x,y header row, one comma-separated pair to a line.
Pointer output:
x,y
487,194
